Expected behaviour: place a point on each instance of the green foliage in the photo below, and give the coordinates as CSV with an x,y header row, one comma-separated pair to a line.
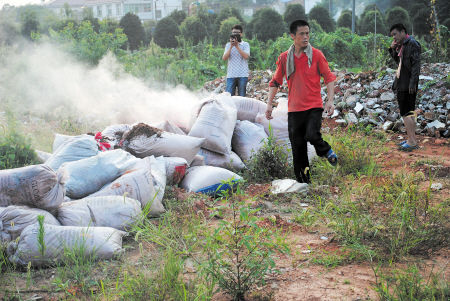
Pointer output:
x,y
86,44
315,27
178,16
41,234
367,23
228,12
193,30
165,33
410,285
345,19
421,21
268,25
269,163
225,29
30,24
294,12
322,16
239,251
398,15
15,149
132,27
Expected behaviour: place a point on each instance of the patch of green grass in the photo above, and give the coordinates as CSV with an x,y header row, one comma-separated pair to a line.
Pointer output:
x,y
411,285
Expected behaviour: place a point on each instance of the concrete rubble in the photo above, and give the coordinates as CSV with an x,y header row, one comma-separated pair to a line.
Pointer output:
x,y
366,98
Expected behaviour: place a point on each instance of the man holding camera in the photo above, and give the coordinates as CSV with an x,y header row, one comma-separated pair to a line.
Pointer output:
x,y
237,52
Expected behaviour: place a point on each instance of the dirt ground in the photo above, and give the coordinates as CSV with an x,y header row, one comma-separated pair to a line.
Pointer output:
x,y
299,279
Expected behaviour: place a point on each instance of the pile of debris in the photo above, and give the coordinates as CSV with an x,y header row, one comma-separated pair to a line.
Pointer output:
x,y
367,98
91,188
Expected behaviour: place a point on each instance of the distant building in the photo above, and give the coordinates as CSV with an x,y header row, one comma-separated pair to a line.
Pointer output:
x,y
116,9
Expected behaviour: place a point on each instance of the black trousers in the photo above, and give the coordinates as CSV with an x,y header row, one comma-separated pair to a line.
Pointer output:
x,y
305,127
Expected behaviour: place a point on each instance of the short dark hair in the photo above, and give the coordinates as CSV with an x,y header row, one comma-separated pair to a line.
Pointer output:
x,y
399,27
238,27
297,23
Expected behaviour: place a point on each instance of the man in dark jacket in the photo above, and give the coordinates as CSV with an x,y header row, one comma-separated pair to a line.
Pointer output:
x,y
405,51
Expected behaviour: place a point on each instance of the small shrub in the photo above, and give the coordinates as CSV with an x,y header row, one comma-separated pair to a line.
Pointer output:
x,y
15,150
269,163
240,252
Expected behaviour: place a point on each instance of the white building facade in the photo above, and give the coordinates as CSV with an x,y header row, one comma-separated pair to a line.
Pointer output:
x,y
116,9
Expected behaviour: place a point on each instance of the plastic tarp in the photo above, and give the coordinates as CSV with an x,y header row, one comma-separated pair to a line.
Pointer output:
x,y
247,139
36,186
99,243
87,176
13,219
137,183
73,149
100,211
215,122
228,161
209,179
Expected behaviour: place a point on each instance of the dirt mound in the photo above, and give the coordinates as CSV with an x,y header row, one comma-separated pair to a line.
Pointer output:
x,y
141,129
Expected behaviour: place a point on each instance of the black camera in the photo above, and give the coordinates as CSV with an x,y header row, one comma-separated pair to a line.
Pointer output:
x,y
236,36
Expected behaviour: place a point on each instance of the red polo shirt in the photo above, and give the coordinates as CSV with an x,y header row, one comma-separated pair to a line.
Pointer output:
x,y
304,83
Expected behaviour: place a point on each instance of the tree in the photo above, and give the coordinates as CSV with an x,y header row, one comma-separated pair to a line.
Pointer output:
x,y
367,23
165,33
322,16
225,28
345,19
228,12
88,15
398,15
421,22
208,19
178,16
294,12
134,30
268,25
30,24
193,30
315,27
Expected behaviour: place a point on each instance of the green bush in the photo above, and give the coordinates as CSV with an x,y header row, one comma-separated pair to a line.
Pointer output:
x,y
193,30
268,25
345,19
16,151
322,16
269,162
396,15
132,27
165,33
294,12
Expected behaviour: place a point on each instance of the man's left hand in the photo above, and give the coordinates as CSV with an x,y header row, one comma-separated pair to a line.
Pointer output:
x,y
329,107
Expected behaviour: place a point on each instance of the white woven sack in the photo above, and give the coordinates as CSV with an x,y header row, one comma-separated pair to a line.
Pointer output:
x,y
137,183
42,156
87,176
175,169
36,186
159,178
247,139
61,139
170,127
100,211
13,219
99,243
203,178
215,123
228,161
199,160
167,144
248,108
73,149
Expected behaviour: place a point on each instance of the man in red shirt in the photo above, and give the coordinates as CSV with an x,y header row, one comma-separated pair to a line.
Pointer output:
x,y
303,66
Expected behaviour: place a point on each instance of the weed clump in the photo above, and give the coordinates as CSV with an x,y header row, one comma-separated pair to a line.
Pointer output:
x,y
16,151
270,162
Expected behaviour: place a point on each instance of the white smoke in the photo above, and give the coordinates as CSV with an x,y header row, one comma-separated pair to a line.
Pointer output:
x,y
48,82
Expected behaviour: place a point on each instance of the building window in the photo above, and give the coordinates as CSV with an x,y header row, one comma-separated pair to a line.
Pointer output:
x,y
158,14
109,8
99,11
147,8
117,9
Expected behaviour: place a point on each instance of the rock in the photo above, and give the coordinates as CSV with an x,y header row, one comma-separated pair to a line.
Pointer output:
x,y
351,101
428,115
446,134
425,77
371,102
341,121
374,93
437,125
387,96
341,105
324,238
436,186
358,107
351,118
387,125
393,116
376,85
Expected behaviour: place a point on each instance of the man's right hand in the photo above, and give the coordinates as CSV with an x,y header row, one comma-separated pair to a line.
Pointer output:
x,y
393,44
269,112
233,42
